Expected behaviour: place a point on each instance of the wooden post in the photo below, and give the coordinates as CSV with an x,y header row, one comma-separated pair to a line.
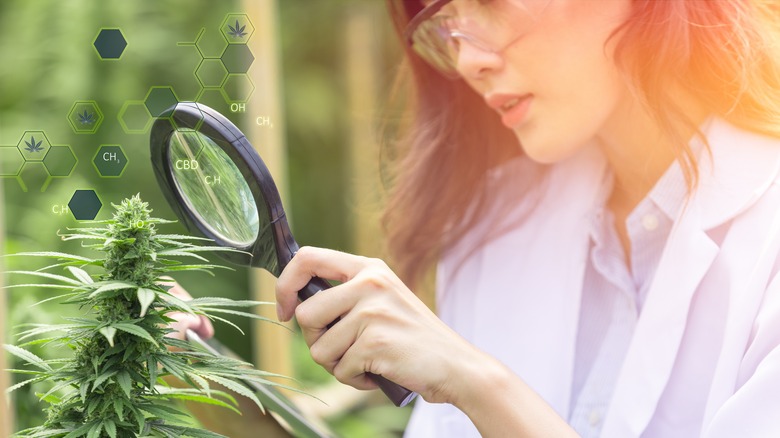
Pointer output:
x,y
363,50
6,416
271,344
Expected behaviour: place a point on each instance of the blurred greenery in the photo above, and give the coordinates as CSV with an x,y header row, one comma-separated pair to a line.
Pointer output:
x,y
48,62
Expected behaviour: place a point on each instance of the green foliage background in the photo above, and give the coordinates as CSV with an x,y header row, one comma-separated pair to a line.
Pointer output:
x,y
47,62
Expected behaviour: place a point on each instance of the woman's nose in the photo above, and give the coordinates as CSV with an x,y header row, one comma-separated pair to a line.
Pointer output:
x,y
474,62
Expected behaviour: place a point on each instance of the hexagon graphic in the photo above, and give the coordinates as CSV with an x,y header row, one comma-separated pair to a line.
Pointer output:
x,y
135,117
34,176
159,99
211,73
85,205
11,161
238,88
85,117
33,145
60,161
209,43
237,28
110,44
110,161
237,58
214,98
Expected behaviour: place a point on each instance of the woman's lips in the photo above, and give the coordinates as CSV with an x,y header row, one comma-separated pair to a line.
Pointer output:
x,y
512,107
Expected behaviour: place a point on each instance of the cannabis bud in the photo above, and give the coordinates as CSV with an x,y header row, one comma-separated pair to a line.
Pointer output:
x,y
113,385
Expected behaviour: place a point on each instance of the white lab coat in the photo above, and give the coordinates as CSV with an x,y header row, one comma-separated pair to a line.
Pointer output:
x,y
705,357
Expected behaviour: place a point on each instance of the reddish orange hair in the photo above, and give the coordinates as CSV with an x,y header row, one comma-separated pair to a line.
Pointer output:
x,y
725,52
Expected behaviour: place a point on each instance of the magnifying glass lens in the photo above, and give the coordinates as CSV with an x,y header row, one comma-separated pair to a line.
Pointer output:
x,y
213,187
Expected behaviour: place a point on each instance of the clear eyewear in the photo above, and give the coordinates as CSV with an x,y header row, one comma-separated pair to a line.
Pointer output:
x,y
437,33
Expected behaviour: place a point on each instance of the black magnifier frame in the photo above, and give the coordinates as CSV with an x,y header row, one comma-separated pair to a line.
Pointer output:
x,y
274,245
200,118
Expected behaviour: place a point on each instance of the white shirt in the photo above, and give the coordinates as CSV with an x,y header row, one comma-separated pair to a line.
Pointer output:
x,y
612,294
704,357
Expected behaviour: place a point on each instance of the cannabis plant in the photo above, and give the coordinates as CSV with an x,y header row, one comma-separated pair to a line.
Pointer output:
x,y
113,384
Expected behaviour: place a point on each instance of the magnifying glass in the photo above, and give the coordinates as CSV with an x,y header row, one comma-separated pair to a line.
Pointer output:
x,y
220,188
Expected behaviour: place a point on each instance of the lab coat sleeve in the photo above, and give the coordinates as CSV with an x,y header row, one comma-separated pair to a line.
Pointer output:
x,y
754,408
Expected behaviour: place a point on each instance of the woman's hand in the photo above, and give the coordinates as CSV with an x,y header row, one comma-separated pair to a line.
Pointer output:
x,y
183,321
383,328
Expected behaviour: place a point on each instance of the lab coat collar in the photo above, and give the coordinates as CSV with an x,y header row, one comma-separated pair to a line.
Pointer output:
x,y
738,171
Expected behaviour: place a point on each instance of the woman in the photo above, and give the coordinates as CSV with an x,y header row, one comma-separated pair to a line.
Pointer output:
x,y
597,183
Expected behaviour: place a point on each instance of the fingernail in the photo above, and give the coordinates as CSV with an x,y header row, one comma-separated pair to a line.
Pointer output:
x,y
279,312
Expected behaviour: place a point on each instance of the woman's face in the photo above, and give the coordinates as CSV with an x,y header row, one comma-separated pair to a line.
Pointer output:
x,y
561,65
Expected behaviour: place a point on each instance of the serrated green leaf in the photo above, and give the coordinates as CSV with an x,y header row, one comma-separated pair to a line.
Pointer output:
x,y
44,328
151,368
27,356
145,298
201,382
125,382
25,383
50,399
40,285
182,253
48,275
102,378
182,305
109,333
94,431
228,322
110,428
83,388
118,409
112,285
198,399
80,274
235,387
135,330
56,388
81,431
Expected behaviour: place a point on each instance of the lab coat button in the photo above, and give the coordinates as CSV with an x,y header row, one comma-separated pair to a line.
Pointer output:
x,y
594,418
650,222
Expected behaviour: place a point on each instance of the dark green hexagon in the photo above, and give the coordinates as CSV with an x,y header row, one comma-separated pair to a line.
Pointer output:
x,y
33,145
11,161
110,161
237,58
85,117
159,99
110,44
60,161
84,204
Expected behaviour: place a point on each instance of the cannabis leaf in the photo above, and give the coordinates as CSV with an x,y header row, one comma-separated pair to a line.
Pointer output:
x,y
113,385
86,118
237,32
32,146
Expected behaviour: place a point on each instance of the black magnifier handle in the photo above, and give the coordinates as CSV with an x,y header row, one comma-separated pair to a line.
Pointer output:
x,y
399,395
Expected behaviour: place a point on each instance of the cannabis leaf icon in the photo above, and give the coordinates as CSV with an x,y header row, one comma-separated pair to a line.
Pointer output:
x,y
238,31
32,146
86,118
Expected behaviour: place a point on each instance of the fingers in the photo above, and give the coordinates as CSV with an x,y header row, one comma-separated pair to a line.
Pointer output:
x,y
315,314
311,262
187,321
352,368
328,349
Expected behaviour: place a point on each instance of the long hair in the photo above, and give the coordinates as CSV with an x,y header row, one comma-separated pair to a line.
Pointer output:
x,y
726,53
